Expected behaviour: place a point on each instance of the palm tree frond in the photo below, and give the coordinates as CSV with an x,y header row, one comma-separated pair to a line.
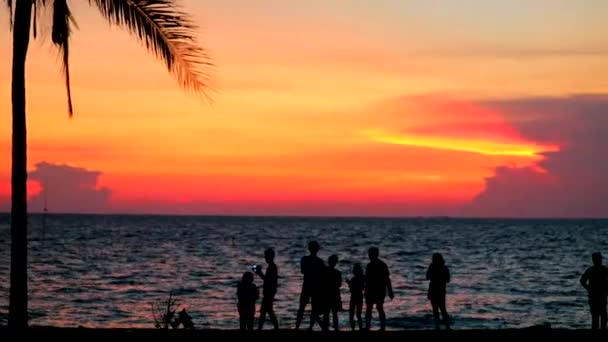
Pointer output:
x,y
62,29
9,4
35,23
167,32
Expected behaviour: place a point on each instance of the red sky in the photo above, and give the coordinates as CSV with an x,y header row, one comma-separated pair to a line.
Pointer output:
x,y
340,108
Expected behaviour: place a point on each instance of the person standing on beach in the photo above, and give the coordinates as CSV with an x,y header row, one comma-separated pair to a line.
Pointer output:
x,y
270,289
595,281
247,294
333,299
439,276
356,285
378,284
313,268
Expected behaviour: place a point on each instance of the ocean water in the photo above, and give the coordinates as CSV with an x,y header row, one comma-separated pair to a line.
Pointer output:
x,y
107,271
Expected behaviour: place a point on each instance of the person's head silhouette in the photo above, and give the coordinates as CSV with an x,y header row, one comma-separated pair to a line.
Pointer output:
x,y
332,261
438,259
358,270
313,247
247,278
373,253
597,258
269,255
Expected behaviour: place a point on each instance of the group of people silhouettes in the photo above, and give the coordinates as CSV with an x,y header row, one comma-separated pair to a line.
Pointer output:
x,y
322,283
321,289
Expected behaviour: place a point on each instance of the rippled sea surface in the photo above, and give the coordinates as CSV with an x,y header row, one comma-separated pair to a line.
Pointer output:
x,y
106,271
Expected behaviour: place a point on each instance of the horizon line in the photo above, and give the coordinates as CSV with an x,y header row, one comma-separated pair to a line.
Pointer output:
x,y
396,217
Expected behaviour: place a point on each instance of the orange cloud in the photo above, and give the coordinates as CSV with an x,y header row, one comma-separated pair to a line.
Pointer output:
x,y
434,122
486,147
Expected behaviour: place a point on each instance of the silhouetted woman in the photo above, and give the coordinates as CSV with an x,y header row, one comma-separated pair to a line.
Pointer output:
x,y
439,276
356,285
334,300
247,294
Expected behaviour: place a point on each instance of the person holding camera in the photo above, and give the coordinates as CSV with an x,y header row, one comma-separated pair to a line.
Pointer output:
x,y
269,290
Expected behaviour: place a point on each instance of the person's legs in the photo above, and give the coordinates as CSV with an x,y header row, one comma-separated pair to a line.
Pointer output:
x,y
316,312
242,322
595,313
251,319
436,315
359,307
369,306
241,318
273,316
595,319
314,317
324,310
603,313
334,312
381,315
351,314
444,314
263,310
304,299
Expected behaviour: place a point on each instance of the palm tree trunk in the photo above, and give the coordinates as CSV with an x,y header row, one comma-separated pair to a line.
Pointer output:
x,y
18,293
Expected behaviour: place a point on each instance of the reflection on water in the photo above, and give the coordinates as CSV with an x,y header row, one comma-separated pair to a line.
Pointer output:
x,y
106,271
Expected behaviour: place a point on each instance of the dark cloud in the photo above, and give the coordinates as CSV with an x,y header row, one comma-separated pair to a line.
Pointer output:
x,y
576,182
69,189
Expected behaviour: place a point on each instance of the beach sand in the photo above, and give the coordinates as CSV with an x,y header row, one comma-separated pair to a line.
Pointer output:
x,y
82,334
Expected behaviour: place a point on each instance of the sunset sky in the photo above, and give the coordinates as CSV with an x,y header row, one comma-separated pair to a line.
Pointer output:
x,y
329,107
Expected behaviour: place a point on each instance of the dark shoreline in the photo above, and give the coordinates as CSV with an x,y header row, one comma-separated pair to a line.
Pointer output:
x,y
50,334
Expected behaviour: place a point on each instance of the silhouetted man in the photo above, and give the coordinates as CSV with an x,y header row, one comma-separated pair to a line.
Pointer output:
x,y
270,289
595,280
312,267
378,283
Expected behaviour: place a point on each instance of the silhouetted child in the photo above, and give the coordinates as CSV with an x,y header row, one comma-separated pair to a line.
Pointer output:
x,y
270,289
247,294
356,285
378,283
439,276
312,267
595,280
334,299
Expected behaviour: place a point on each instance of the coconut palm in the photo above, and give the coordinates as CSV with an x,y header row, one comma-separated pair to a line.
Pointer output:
x,y
164,30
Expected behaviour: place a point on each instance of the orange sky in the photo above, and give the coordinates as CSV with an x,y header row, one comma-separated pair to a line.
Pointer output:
x,y
349,102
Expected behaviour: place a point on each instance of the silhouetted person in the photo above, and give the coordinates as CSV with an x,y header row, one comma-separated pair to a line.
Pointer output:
x,y
270,289
378,282
439,276
312,267
333,283
356,285
247,294
595,280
